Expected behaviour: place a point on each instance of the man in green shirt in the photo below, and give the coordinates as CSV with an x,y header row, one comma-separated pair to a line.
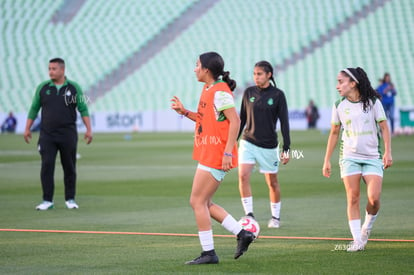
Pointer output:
x,y
58,98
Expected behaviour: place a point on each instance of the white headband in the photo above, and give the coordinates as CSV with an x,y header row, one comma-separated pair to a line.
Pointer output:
x,y
351,75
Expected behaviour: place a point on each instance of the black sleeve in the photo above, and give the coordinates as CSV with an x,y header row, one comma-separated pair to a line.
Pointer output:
x,y
284,122
242,118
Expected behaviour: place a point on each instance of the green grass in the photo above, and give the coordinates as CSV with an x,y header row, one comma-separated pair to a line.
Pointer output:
x,y
143,185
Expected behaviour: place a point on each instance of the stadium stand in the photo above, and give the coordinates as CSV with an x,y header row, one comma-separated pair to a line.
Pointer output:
x,y
308,41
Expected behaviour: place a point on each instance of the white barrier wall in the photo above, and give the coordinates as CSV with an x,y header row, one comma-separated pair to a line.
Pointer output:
x,y
167,121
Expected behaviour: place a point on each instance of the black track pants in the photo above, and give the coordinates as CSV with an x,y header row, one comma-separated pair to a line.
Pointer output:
x,y
48,147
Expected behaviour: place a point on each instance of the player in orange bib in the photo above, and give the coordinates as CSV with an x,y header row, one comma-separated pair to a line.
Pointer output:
x,y
217,124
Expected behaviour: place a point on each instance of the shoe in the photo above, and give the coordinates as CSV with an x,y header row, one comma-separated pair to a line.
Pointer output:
x,y
244,239
364,236
45,205
355,247
206,257
250,214
274,223
71,204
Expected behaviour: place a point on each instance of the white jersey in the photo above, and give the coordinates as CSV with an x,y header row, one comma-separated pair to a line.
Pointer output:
x,y
360,135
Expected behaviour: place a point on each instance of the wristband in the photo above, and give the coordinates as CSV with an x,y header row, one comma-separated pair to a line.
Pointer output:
x,y
228,154
186,113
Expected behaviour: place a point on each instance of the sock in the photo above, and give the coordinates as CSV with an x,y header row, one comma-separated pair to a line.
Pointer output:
x,y
231,225
369,221
247,203
275,209
355,226
206,240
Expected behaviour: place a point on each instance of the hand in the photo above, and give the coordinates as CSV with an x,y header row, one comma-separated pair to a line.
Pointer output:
x,y
27,136
226,163
88,137
326,170
177,106
387,160
284,156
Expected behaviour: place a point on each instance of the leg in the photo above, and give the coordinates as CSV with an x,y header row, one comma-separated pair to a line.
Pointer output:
x,y
274,187
204,187
48,150
274,195
374,187
245,171
67,150
352,187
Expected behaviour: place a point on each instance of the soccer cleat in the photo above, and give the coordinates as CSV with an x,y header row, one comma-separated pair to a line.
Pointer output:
x,y
206,257
45,205
250,214
244,239
364,236
274,223
355,247
71,204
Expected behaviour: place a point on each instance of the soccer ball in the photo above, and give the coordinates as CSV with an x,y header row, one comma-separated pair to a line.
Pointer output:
x,y
250,224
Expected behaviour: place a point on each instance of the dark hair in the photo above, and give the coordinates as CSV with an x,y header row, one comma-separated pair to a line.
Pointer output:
x,y
364,86
58,60
384,78
267,67
215,63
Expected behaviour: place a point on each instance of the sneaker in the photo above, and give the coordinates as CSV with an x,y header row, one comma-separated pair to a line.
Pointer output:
x,y
250,214
45,205
244,239
206,257
71,204
274,223
364,236
355,247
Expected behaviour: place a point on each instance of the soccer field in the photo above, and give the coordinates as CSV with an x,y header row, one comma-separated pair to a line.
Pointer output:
x,y
134,216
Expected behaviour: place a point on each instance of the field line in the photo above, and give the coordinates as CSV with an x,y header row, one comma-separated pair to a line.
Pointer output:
x,y
189,235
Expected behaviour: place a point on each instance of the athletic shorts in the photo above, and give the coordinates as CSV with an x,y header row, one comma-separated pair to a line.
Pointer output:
x,y
267,159
216,173
364,167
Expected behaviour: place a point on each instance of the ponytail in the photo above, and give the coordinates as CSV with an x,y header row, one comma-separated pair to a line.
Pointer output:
x,y
231,82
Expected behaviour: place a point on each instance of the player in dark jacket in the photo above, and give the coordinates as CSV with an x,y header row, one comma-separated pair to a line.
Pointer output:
x,y
262,106
58,98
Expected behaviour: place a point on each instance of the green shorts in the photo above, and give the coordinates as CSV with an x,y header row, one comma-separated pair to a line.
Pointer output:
x,y
268,159
216,173
364,167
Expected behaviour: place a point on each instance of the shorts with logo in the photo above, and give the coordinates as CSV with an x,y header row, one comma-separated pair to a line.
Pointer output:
x,y
364,167
267,159
216,173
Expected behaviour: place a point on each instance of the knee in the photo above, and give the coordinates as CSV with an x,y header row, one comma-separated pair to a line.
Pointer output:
x,y
374,202
244,178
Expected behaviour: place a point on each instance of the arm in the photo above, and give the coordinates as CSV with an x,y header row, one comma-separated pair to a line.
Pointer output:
x,y
234,120
387,158
330,147
242,119
285,129
178,106
88,134
27,133
34,110
82,106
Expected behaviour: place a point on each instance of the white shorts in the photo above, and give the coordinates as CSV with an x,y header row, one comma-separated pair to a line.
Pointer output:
x,y
267,159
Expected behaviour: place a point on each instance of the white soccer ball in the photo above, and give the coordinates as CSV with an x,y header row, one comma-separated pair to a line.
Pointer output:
x,y
250,224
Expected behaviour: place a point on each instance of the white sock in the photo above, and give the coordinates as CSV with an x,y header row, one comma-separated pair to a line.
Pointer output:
x,y
206,240
355,226
369,221
275,209
231,225
247,203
